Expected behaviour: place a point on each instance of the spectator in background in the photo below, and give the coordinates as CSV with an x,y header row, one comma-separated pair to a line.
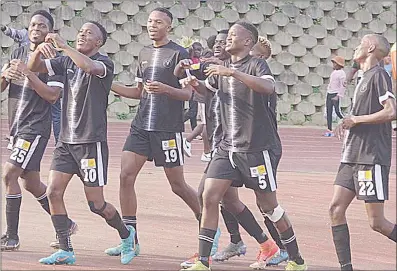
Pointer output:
x,y
211,42
336,90
387,65
21,37
195,51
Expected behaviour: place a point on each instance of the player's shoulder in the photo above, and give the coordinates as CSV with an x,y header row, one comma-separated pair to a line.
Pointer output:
x,y
178,48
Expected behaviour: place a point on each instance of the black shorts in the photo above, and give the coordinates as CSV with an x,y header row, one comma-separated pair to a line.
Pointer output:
x,y
369,182
89,161
27,151
255,170
165,148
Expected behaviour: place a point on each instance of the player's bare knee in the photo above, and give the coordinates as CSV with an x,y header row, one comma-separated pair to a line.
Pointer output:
x,y
210,199
376,223
98,208
178,187
54,193
10,176
127,179
335,211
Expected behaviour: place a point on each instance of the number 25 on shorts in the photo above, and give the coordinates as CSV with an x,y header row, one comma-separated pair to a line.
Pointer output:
x,y
89,168
20,150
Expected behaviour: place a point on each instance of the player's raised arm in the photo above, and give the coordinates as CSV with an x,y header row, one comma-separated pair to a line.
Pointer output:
x,y
49,92
36,62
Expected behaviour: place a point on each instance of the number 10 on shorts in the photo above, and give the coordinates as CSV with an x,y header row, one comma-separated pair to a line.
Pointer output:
x,y
89,168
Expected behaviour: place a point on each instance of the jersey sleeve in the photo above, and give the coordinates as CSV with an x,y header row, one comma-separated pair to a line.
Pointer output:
x,y
108,66
262,70
212,83
56,66
56,81
383,87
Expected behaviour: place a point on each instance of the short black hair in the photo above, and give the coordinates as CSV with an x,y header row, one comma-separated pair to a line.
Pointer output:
x,y
165,11
224,31
251,28
103,31
211,41
45,14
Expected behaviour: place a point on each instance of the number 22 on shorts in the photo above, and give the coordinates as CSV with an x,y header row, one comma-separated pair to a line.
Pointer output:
x,y
170,150
365,182
20,150
89,168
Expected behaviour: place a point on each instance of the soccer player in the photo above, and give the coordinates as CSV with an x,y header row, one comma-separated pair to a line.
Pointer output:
x,y
82,148
21,36
30,99
366,157
262,49
249,151
156,131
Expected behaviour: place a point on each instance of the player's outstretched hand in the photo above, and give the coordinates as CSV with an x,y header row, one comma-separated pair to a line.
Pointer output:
x,y
10,73
47,50
339,131
185,64
19,66
155,87
349,122
212,60
218,70
190,80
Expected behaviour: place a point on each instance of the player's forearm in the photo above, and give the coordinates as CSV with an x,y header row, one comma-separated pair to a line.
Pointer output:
x,y
84,62
201,88
178,71
127,92
36,63
387,114
349,78
48,93
4,84
183,94
258,84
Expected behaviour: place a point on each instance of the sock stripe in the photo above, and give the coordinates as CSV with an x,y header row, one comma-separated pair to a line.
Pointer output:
x,y
17,196
288,240
129,221
42,197
206,238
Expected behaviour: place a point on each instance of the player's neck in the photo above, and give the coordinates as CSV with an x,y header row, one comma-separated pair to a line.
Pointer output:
x,y
369,63
32,46
159,43
238,56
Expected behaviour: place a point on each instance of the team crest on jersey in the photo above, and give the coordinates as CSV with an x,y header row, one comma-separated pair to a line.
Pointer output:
x,y
167,63
258,171
169,145
88,163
